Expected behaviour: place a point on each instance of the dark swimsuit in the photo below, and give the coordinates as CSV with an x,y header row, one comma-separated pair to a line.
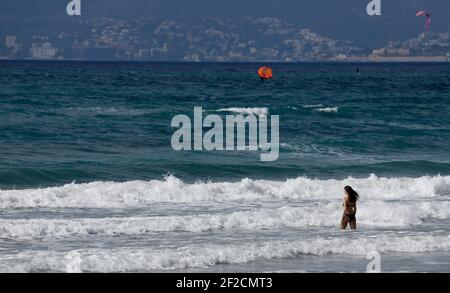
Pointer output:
x,y
351,217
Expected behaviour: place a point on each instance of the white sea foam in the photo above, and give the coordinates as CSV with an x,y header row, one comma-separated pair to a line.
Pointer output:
x,y
313,106
248,111
372,213
108,111
328,110
204,255
285,145
173,190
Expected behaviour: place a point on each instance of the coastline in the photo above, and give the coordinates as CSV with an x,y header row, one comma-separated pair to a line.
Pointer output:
x,y
380,59
366,59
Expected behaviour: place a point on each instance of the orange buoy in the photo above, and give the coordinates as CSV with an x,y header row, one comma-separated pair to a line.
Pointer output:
x,y
265,72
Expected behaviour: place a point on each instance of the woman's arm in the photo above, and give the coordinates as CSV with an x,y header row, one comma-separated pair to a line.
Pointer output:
x,y
344,205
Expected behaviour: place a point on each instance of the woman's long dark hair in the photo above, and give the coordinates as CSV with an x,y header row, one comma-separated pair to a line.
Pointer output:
x,y
352,194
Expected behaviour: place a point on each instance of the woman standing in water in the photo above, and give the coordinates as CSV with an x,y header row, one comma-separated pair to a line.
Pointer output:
x,y
349,216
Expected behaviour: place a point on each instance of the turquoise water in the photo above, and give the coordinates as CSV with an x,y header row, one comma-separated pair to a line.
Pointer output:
x,y
62,122
89,181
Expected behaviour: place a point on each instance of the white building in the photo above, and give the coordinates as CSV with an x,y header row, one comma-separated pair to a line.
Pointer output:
x,y
11,42
44,51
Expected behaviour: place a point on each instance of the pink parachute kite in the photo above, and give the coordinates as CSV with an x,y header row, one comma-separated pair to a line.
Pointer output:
x,y
428,17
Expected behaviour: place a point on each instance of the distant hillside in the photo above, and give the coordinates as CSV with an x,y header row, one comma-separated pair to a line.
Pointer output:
x,y
153,39
338,19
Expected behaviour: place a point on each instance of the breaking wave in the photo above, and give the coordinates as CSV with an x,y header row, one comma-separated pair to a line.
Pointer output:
x,y
373,213
328,110
174,190
206,255
247,111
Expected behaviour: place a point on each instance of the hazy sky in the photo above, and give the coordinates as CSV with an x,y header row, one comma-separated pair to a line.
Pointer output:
x,y
336,18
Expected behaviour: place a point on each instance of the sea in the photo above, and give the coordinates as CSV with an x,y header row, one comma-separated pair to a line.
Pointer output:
x,y
89,181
